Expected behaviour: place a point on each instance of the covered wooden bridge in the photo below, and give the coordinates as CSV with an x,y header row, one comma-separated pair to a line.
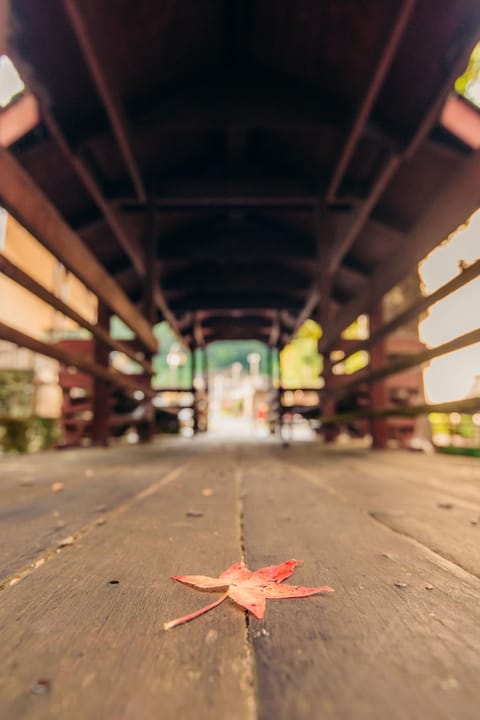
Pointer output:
x,y
235,168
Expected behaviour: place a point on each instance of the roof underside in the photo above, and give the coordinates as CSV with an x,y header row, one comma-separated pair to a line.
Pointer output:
x,y
258,162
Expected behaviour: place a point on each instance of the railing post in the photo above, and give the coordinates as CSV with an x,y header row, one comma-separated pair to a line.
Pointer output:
x,y
330,432
378,390
101,388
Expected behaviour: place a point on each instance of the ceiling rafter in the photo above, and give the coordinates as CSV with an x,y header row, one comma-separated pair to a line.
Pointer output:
x,y
132,249
104,88
368,101
458,199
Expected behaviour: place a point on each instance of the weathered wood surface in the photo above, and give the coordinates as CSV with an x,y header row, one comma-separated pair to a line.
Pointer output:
x,y
34,519
372,650
102,646
433,499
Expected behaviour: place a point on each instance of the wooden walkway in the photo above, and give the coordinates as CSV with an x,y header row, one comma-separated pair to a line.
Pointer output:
x,y
397,536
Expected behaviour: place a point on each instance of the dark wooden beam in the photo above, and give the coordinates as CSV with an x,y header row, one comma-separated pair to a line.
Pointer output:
x,y
361,213
198,332
405,363
378,390
306,312
69,359
234,301
396,156
131,248
275,331
104,87
25,201
101,389
366,105
201,194
250,103
412,311
167,313
26,281
150,257
469,405
459,198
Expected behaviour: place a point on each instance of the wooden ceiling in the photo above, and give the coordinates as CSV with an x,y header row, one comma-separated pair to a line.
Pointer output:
x,y
240,165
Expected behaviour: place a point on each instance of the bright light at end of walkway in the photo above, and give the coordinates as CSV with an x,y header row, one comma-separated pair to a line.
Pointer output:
x,y
453,376
10,81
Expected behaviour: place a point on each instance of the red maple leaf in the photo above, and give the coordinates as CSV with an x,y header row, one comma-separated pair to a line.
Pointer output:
x,y
248,589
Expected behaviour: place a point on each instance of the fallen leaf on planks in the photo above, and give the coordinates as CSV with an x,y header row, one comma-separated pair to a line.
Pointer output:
x,y
248,589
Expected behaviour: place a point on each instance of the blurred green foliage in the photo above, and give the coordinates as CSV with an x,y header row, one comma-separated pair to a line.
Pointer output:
x,y
468,84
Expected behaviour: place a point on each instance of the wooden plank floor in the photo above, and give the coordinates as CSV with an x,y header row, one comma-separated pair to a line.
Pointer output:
x,y
81,626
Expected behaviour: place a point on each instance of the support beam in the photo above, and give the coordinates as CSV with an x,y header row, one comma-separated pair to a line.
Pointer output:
x,y
378,390
412,311
469,405
15,273
361,214
306,311
26,202
69,359
167,313
101,388
274,336
198,333
105,90
453,205
132,249
203,194
365,376
366,106
396,157
150,257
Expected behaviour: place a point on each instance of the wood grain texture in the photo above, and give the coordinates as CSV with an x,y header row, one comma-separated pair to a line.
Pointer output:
x,y
428,498
102,646
33,519
399,638
373,650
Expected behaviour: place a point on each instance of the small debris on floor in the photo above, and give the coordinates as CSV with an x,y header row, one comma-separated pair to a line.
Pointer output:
x,y
428,587
100,521
194,514
57,487
41,687
261,633
401,585
445,505
207,492
113,582
474,522
66,541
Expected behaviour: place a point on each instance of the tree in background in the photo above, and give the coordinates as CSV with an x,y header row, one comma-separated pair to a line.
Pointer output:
x,y
468,84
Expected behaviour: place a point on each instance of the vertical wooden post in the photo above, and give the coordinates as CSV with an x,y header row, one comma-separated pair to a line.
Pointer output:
x,y
196,395
101,389
147,429
330,432
378,390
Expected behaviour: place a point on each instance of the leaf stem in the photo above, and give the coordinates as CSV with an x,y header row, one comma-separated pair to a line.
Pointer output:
x,y
178,621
